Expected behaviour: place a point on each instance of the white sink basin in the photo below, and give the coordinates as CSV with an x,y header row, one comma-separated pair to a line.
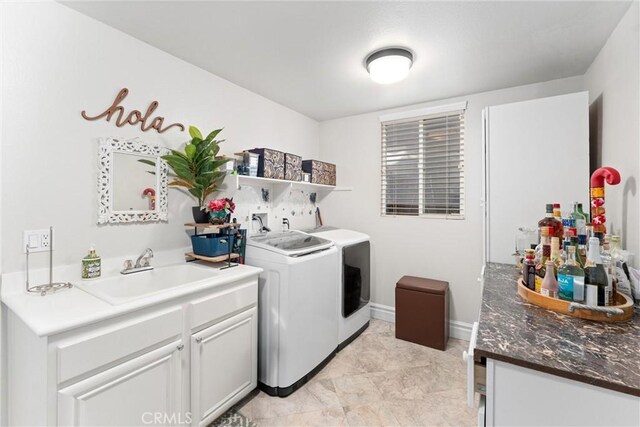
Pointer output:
x,y
128,287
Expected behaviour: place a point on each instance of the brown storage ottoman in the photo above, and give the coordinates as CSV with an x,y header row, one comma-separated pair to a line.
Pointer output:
x,y
422,311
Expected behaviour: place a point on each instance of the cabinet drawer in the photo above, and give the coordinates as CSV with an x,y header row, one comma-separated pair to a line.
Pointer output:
x,y
114,342
225,303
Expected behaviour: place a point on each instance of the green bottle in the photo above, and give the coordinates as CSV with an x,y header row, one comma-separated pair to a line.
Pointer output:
x,y
584,214
580,218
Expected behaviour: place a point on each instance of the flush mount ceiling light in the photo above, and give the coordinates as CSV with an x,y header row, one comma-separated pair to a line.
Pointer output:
x,y
389,65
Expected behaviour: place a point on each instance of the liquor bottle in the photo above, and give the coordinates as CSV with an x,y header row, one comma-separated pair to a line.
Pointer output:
x,y
582,250
556,256
529,269
594,272
584,214
569,226
589,233
574,242
557,214
550,221
571,278
618,262
579,217
543,255
615,245
600,236
607,262
549,286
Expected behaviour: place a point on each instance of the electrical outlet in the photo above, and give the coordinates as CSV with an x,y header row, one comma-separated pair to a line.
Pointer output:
x,y
36,240
44,241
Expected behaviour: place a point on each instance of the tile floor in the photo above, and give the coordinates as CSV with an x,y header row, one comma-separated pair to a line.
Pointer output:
x,y
375,381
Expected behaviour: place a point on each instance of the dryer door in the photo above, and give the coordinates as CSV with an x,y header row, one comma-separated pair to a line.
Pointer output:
x,y
356,265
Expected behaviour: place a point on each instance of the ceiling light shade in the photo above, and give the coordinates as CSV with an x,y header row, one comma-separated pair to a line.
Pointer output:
x,y
389,65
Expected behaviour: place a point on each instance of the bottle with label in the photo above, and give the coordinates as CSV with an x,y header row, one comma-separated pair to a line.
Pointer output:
x,y
549,286
582,250
569,226
550,221
589,233
579,218
556,255
581,212
607,262
594,272
571,278
618,264
543,255
557,214
91,265
600,236
529,269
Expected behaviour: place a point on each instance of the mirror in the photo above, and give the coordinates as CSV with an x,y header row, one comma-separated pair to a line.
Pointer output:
x,y
132,181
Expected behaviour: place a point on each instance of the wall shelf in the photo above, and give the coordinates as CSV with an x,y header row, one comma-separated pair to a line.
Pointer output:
x,y
256,181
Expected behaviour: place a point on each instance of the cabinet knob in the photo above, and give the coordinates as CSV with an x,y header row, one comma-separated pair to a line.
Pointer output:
x,y
180,347
199,340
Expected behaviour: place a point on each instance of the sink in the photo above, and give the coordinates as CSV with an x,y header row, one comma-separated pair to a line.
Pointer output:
x,y
125,288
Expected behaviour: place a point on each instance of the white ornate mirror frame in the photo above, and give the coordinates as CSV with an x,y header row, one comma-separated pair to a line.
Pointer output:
x,y
106,212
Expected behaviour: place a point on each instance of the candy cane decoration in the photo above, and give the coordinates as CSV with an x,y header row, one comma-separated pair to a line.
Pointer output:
x,y
152,195
598,178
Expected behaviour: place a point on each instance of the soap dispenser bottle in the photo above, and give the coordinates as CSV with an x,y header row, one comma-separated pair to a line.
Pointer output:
x,y
91,265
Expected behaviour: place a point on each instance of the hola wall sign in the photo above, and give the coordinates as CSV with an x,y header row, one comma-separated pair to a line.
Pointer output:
x,y
134,117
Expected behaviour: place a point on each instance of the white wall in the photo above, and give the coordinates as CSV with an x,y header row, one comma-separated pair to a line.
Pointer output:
x,y
448,250
56,63
613,84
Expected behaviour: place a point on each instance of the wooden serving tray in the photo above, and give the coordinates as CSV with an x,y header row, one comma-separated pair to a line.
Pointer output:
x,y
623,313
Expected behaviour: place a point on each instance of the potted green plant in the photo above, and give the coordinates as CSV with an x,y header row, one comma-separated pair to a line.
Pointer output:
x,y
197,170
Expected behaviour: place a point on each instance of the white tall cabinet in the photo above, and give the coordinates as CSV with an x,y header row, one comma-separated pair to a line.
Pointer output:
x,y
535,152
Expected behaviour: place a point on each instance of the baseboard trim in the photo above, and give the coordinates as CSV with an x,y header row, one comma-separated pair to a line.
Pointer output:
x,y
460,330
383,312
457,329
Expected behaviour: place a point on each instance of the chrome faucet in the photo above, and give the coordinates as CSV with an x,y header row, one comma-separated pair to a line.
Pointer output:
x,y
263,228
285,221
143,259
143,263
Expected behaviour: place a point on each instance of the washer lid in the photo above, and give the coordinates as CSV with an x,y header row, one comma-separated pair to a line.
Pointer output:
x,y
289,243
342,237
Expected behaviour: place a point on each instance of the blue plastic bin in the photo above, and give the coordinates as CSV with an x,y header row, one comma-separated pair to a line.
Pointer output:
x,y
212,245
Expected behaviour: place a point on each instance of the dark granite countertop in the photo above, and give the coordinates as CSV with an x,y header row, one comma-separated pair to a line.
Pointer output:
x,y
513,331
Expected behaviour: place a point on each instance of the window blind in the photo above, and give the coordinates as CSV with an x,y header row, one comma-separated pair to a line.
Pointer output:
x,y
423,166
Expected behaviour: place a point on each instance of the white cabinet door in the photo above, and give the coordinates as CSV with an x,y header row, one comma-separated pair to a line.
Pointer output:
x,y
144,390
224,364
518,396
536,152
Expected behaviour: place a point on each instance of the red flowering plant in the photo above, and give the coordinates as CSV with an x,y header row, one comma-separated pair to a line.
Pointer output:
x,y
219,209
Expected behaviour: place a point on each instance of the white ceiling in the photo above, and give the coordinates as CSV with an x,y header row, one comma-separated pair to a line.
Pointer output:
x,y
309,56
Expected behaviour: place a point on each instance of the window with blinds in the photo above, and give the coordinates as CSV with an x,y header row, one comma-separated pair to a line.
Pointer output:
x,y
423,166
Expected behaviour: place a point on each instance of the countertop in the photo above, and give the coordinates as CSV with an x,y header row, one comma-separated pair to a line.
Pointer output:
x,y
72,308
511,330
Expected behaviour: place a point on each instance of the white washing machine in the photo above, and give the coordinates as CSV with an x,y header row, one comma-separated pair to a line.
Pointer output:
x,y
353,280
298,327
